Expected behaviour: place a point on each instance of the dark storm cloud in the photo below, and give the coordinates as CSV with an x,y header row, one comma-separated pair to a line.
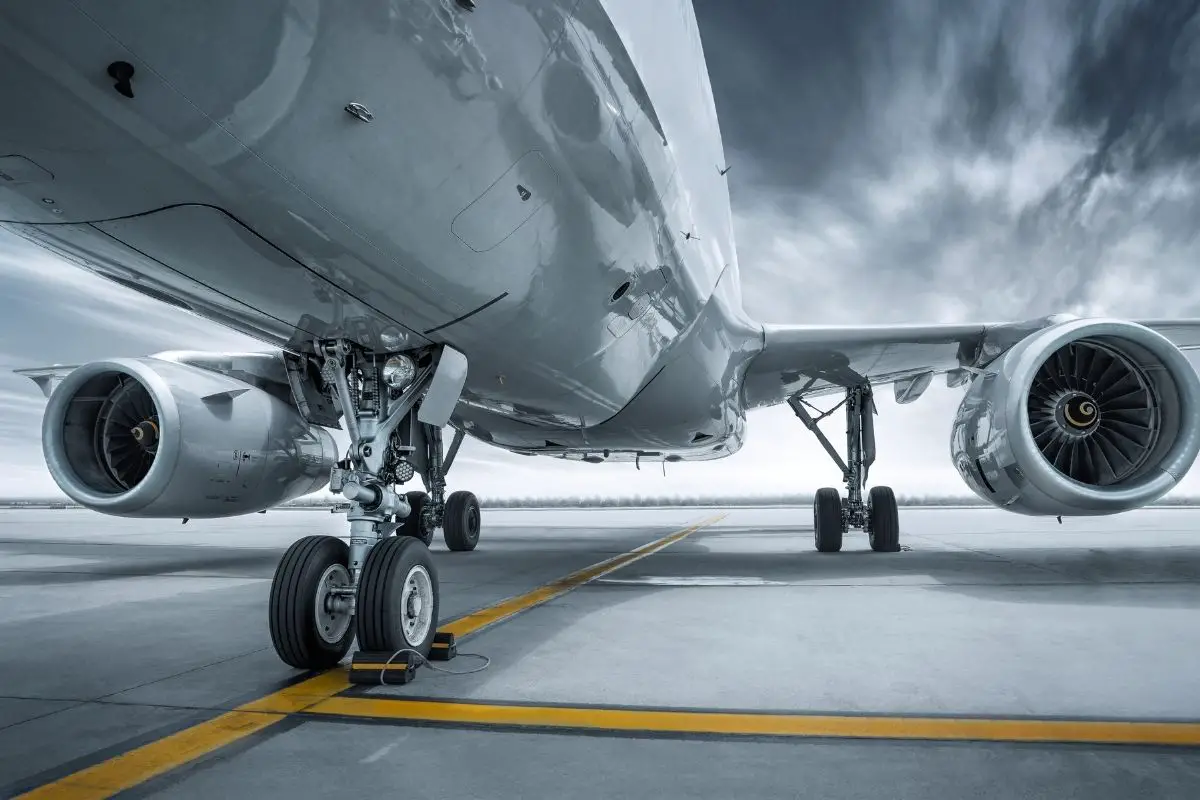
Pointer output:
x,y
963,159
794,81
789,79
987,92
1137,85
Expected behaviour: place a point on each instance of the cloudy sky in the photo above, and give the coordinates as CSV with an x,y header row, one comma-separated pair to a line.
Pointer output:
x,y
912,160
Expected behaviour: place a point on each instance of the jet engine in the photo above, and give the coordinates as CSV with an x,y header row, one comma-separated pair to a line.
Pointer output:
x,y
146,437
1086,417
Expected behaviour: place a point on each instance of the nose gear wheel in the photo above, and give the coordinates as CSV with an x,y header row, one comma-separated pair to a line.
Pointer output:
x,y
310,626
397,597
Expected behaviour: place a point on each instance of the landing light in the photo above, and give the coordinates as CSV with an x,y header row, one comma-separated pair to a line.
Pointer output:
x,y
399,372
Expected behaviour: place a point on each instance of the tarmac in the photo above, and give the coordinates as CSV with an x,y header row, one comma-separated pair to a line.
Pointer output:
x,y
690,652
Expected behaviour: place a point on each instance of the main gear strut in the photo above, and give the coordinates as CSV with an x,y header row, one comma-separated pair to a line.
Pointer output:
x,y
832,514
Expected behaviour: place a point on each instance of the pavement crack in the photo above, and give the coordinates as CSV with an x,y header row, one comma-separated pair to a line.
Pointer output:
x,y
1011,561
104,697
74,703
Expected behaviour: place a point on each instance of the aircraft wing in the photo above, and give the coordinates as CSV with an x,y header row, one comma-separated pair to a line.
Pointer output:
x,y
823,359
47,378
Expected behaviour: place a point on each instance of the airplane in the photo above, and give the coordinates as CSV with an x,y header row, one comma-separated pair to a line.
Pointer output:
x,y
468,214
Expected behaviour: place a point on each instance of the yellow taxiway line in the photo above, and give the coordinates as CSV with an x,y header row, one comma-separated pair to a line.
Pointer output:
x,y
719,723
473,623
171,752
318,697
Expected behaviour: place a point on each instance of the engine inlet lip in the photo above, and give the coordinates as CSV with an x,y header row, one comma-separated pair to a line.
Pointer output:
x,y
169,442
1028,356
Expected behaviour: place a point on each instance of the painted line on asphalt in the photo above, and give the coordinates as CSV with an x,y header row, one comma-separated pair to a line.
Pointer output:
x,y
635,720
171,752
504,610
161,756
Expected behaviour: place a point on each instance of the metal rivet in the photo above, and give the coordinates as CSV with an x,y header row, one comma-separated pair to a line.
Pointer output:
x,y
48,201
469,5
360,111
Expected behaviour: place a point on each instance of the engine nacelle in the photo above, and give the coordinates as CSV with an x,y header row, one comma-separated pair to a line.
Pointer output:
x,y
1087,417
144,437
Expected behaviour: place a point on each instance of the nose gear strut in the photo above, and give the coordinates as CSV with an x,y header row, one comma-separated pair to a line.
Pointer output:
x,y
387,584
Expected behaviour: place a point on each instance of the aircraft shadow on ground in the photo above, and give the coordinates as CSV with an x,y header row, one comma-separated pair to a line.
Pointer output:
x,y
1161,576
1118,577
84,563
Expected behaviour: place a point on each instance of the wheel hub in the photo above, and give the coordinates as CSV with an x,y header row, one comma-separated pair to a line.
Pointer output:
x,y
417,601
332,616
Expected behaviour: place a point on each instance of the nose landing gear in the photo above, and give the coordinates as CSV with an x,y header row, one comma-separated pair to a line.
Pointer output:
x,y
381,588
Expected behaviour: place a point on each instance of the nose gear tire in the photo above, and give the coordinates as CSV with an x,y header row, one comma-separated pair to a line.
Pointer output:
x,y
389,607
292,612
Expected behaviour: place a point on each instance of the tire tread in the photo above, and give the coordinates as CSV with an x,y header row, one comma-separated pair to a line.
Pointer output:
x,y
378,575
453,522
297,645
827,520
884,520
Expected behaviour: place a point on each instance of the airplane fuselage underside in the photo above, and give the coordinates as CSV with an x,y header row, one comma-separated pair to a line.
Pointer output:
x,y
403,173
512,219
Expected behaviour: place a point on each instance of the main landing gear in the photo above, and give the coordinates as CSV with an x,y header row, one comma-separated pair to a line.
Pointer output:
x,y
833,515
382,588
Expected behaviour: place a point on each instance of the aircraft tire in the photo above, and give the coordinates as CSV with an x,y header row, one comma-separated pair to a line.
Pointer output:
x,y
412,525
827,520
398,597
305,635
883,520
461,522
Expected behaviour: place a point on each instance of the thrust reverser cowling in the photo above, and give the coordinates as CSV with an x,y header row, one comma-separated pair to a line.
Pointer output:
x,y
1087,417
151,438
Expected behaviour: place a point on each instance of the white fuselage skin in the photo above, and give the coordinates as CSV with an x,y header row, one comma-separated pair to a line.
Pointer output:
x,y
538,185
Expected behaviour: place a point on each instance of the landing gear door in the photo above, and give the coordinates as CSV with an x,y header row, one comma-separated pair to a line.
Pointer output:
x,y
444,389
